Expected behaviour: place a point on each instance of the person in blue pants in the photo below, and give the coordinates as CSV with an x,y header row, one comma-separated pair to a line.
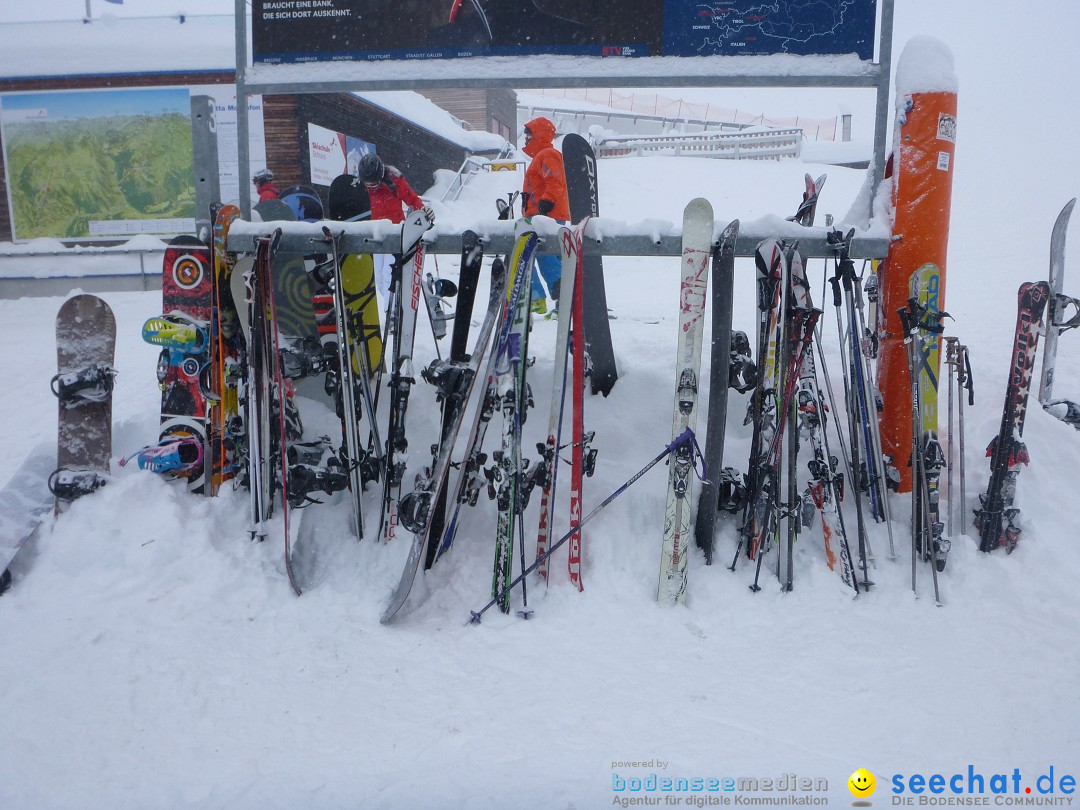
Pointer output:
x,y
544,193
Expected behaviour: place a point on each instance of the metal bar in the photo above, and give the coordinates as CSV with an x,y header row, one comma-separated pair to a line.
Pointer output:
x,y
882,111
268,86
243,126
299,237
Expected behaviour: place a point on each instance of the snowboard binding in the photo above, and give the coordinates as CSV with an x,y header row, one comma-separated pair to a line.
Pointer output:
x,y
68,485
305,479
172,457
92,384
177,331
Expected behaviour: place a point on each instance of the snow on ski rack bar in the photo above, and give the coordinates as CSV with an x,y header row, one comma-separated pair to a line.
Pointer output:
x,y
604,236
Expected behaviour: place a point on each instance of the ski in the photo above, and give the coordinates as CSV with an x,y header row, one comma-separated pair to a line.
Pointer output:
x,y
723,280
770,258
472,259
825,489
693,288
996,519
455,380
351,366
506,474
582,458
406,289
548,466
925,285
807,209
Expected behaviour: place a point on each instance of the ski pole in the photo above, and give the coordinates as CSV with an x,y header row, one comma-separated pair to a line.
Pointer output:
x,y
963,371
684,437
854,467
950,361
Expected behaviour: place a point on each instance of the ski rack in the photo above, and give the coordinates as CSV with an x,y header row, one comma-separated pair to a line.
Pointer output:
x,y
379,237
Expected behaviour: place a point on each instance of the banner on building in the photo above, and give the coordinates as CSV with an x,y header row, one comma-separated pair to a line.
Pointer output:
x,y
332,154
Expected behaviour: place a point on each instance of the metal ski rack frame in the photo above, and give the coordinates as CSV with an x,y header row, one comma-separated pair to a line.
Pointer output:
x,y
483,71
363,237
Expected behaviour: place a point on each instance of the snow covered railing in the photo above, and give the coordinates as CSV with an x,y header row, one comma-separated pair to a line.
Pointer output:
x,y
758,144
602,236
471,166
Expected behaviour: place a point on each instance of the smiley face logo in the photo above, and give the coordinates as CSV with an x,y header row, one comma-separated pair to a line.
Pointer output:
x,y
862,783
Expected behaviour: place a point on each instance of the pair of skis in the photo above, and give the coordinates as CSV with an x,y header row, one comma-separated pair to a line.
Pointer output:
x,y
996,518
697,248
457,381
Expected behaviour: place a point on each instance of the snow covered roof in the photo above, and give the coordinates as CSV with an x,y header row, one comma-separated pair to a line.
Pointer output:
x,y
112,45
115,45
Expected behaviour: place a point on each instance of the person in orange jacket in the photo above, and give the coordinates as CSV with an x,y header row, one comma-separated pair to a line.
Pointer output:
x,y
544,193
388,191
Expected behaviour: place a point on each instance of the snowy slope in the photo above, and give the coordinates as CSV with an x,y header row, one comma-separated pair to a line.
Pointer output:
x,y
154,657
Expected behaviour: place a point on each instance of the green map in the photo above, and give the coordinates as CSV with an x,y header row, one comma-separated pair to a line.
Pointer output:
x,y
64,174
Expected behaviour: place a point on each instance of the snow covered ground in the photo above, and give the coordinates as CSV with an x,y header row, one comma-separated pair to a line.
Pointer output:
x,y
155,658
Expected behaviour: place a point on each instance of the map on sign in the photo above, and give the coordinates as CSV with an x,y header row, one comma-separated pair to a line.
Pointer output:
x,y
803,27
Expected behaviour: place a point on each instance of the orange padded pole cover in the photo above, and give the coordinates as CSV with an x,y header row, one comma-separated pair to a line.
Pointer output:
x,y
922,178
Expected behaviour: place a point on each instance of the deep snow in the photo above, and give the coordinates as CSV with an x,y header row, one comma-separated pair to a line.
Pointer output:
x,y
154,657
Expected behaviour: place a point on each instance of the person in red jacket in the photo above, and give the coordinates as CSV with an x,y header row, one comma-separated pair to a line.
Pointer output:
x,y
544,193
390,194
264,184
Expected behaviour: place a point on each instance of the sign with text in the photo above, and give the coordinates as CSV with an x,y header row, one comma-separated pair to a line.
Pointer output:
x,y
332,154
334,30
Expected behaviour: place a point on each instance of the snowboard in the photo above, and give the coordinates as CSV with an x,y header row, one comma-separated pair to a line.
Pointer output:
x,y
85,345
187,289
292,286
349,201
304,202
24,502
583,192
223,371
1056,321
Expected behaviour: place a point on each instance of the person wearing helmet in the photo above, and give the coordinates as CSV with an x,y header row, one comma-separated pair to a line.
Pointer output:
x,y
263,180
389,193
544,193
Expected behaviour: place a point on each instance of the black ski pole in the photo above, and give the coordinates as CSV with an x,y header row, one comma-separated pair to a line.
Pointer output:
x,y
684,437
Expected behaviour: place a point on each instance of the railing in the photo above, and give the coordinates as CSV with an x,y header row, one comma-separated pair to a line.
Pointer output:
x,y
771,144
469,168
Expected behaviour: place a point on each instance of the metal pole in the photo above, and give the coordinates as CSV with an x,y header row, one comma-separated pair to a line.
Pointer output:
x,y
950,362
243,127
963,384
881,116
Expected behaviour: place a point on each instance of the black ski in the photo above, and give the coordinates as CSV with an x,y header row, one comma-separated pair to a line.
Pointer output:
x,y
583,191
723,279
472,257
